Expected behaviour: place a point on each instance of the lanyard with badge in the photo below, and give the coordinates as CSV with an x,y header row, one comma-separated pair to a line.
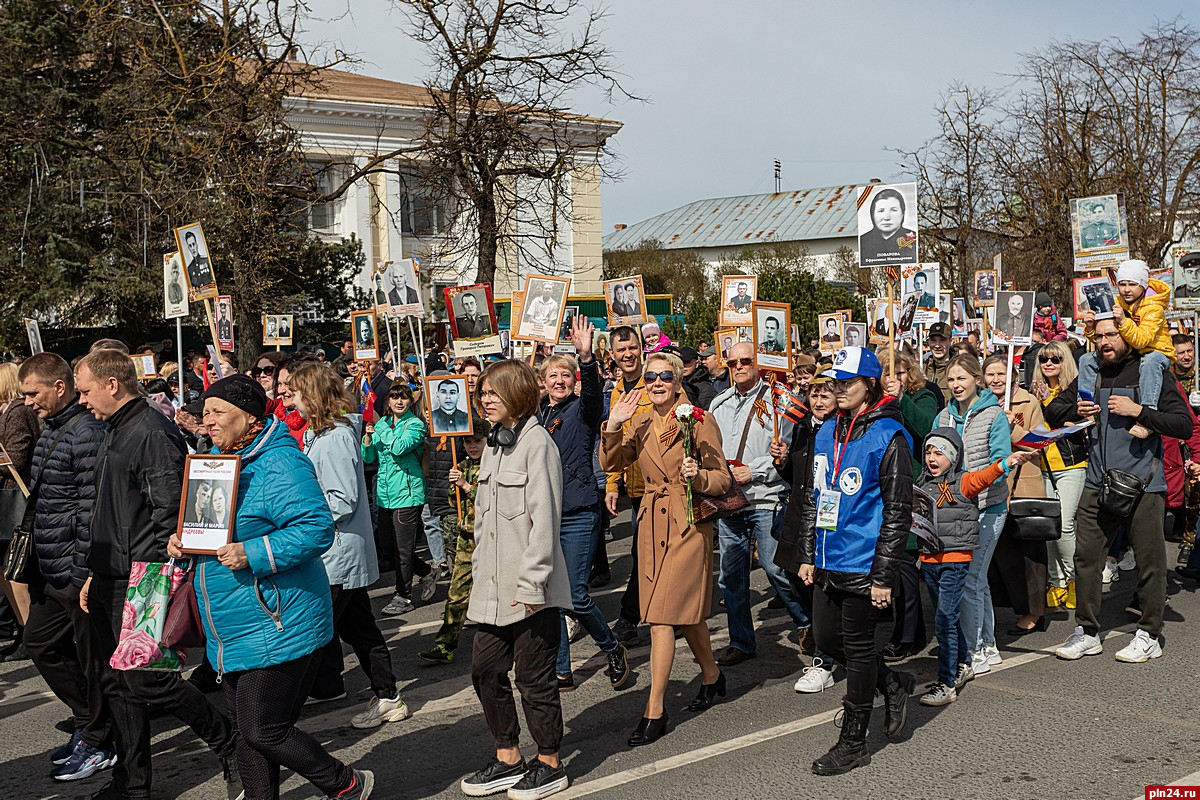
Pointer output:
x,y
830,500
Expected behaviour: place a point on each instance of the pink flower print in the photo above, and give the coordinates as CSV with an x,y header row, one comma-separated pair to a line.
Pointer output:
x,y
137,649
137,572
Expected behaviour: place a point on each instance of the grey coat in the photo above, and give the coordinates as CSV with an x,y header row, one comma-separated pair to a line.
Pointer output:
x,y
350,562
518,507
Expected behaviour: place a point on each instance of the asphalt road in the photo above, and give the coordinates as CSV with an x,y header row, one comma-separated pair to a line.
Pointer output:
x,y
1036,727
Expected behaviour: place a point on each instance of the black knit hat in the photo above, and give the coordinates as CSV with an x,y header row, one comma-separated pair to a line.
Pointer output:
x,y
241,391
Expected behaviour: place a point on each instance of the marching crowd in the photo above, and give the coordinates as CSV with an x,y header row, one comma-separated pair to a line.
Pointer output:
x,y
340,479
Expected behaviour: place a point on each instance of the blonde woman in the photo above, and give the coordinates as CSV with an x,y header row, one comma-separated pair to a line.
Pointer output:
x,y
674,566
1067,459
19,431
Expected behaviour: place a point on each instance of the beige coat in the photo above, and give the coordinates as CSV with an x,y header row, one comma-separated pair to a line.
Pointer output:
x,y
674,560
1026,481
518,507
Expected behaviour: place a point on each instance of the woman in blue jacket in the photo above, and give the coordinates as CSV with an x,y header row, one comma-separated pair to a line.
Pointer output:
x,y
264,598
855,517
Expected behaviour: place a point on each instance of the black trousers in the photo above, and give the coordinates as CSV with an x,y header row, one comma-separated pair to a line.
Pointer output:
x,y
530,645
265,704
58,635
844,627
403,527
631,609
906,604
353,623
130,693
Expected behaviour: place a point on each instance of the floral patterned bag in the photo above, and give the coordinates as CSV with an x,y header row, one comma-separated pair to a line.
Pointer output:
x,y
151,585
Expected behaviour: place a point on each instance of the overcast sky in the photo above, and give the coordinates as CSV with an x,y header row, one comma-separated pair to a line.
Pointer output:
x,y
826,87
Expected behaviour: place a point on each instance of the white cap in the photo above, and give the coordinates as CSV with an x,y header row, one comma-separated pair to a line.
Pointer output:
x,y
1134,270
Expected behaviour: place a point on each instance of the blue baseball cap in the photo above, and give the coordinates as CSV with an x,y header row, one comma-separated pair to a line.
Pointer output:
x,y
856,362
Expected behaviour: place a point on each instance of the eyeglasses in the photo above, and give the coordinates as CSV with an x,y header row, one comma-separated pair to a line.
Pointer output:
x,y
1050,359
841,386
268,370
1110,335
666,376
735,362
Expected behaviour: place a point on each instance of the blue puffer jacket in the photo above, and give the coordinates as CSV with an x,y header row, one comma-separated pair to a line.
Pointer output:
x,y
573,426
279,608
67,490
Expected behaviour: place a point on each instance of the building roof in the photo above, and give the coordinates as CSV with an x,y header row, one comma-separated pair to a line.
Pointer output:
x,y
799,215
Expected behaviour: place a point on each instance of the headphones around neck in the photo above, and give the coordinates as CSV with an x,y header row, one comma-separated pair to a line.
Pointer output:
x,y
505,437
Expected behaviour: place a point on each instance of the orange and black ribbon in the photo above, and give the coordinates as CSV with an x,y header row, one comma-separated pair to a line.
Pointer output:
x,y
945,495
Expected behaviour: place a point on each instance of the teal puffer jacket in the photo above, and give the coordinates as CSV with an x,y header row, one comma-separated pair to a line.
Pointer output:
x,y
396,445
277,609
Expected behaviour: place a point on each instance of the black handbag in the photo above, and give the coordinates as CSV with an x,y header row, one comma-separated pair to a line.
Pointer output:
x,y
1034,519
12,510
1120,491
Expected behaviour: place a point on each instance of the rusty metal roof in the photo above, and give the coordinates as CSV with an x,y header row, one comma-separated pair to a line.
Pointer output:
x,y
798,215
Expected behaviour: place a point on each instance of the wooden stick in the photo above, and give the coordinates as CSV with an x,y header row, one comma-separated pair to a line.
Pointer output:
x,y
775,407
891,331
1008,380
457,490
212,329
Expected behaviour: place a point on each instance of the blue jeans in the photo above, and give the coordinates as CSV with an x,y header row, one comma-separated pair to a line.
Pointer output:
x,y
946,583
978,621
433,534
734,536
1151,370
578,535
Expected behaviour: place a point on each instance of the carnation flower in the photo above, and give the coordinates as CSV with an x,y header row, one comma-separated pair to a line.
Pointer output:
x,y
683,411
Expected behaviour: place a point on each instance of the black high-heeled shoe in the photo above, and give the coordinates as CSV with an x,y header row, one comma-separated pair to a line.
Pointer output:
x,y
649,731
1042,624
708,691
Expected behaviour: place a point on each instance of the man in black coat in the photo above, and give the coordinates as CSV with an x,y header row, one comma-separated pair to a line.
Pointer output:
x,y
696,385
139,473
57,633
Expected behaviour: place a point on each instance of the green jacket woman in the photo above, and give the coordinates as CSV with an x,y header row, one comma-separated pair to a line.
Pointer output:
x,y
395,444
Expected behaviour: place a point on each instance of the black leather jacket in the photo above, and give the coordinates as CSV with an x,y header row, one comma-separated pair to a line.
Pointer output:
x,y
896,490
1063,410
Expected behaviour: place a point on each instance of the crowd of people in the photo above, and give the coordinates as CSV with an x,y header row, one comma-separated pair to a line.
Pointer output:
x,y
342,481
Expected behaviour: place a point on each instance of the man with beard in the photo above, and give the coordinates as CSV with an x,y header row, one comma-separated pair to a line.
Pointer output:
x,y
1113,447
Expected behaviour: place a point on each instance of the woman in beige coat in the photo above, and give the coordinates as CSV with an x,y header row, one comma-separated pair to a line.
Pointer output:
x,y
674,559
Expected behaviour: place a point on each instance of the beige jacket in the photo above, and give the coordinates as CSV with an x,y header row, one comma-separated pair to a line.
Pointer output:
x,y
518,507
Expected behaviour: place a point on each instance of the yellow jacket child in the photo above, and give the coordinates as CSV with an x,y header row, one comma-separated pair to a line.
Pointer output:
x,y
1143,303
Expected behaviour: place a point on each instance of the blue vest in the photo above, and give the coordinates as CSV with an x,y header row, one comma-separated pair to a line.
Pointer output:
x,y
851,547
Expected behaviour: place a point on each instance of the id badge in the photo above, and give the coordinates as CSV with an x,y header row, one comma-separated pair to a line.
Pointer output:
x,y
828,504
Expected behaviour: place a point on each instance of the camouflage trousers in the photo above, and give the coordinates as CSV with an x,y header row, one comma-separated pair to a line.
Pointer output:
x,y
458,596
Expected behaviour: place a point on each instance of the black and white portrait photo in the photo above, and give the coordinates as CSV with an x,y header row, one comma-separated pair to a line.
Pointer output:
x,y
545,304
922,281
1014,318
175,294
854,334
1097,296
449,405
379,292
772,327
625,300
471,313
829,330
35,336
270,329
362,328
209,502
224,307
285,328
883,320
202,284
887,225
1187,279
985,288
737,294
568,322
403,290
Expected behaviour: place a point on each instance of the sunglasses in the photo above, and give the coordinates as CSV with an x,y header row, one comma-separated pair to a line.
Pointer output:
x,y
666,376
734,362
1050,359
268,371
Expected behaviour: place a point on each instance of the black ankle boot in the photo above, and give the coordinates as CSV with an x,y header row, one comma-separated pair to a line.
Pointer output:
x,y
851,748
649,731
708,691
897,688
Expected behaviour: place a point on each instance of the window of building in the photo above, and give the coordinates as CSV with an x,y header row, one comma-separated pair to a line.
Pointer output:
x,y
423,212
325,217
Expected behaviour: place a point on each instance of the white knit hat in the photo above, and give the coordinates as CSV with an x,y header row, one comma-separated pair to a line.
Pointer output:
x,y
1134,270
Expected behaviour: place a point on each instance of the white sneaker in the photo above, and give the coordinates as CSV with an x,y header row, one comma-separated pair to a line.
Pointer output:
x,y
1110,573
574,630
381,711
427,586
939,694
1143,648
964,676
992,653
815,678
979,663
1080,644
1127,562
396,606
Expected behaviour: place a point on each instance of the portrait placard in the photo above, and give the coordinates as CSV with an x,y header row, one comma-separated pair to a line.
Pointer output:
x,y
601,341
542,313
829,330
1181,322
1099,234
175,293
365,335
772,322
143,366
945,300
568,322
745,333
625,299
958,314
1097,295
1186,292
847,315
887,224
854,334
449,405
922,282
35,336
472,320
224,306
515,309
975,326
738,293
402,287
197,263
884,316
379,291
208,505
723,340
1014,318
985,288
286,326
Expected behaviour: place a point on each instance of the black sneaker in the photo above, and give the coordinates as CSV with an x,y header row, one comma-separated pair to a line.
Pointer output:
x,y
437,655
626,632
566,683
362,783
599,580
492,779
618,671
233,779
542,780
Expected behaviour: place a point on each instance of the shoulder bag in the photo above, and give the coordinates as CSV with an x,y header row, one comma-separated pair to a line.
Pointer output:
x,y
1120,491
710,507
20,563
1034,519
183,627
